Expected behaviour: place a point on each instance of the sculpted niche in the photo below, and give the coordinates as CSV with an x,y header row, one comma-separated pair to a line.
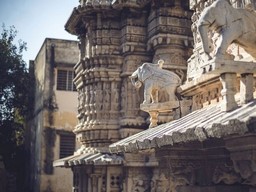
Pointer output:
x,y
228,25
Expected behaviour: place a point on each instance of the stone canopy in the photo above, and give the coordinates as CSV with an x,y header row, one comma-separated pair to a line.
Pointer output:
x,y
200,125
89,157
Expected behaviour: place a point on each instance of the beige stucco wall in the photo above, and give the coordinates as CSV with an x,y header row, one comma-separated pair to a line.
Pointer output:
x,y
67,103
62,117
62,178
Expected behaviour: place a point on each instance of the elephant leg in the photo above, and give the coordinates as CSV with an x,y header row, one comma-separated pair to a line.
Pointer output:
x,y
226,38
154,96
171,93
147,94
203,33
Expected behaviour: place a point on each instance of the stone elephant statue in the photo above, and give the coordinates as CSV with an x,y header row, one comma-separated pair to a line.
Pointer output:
x,y
154,79
232,26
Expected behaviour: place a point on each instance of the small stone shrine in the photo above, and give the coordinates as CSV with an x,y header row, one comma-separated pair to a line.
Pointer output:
x,y
210,146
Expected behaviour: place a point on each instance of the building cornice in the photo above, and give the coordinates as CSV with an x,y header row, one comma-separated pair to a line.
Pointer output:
x,y
73,21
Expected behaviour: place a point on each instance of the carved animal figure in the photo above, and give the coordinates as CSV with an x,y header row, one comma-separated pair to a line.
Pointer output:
x,y
233,26
155,79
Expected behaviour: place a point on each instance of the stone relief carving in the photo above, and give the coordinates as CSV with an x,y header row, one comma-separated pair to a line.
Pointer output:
x,y
155,79
247,170
162,184
169,184
140,186
236,25
225,174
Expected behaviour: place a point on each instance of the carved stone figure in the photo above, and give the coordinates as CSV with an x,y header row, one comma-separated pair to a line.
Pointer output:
x,y
232,26
225,174
154,79
138,186
247,170
162,184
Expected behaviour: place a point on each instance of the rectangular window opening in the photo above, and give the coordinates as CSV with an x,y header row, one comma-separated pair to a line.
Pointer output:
x,y
67,145
65,80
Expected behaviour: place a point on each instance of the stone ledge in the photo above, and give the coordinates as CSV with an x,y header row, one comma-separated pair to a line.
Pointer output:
x,y
161,107
228,66
211,72
195,84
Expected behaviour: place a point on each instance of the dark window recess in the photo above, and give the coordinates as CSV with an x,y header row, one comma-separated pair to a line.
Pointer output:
x,y
65,80
67,145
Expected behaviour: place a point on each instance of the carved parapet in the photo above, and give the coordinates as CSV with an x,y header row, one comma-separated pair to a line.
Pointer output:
x,y
229,73
219,66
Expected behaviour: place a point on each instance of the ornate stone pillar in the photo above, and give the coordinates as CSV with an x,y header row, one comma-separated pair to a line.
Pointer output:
x,y
133,43
228,91
131,116
246,88
170,35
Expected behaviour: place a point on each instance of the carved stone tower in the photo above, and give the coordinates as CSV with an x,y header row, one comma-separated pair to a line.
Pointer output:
x,y
212,147
116,37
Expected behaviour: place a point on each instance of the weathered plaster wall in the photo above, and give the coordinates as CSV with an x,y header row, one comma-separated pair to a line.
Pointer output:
x,y
54,110
37,126
61,178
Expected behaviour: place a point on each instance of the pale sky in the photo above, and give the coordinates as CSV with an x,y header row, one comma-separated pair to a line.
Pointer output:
x,y
36,20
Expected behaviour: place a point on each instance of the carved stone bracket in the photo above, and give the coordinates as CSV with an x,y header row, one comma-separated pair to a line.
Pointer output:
x,y
155,108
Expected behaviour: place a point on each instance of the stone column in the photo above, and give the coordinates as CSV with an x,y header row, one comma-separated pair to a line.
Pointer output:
x,y
95,183
153,118
228,91
246,88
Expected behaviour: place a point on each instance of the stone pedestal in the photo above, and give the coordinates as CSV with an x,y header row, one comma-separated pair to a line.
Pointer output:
x,y
155,108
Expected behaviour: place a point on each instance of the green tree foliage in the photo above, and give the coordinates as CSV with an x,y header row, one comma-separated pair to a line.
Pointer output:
x,y
14,100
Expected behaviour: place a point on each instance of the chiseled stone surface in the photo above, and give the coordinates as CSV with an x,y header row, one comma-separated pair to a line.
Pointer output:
x,y
160,89
218,41
212,147
115,39
236,25
212,109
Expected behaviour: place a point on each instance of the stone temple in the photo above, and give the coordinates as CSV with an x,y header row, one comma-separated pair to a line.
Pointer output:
x,y
166,96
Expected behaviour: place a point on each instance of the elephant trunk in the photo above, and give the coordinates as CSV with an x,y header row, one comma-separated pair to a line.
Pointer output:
x,y
205,22
134,79
203,33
